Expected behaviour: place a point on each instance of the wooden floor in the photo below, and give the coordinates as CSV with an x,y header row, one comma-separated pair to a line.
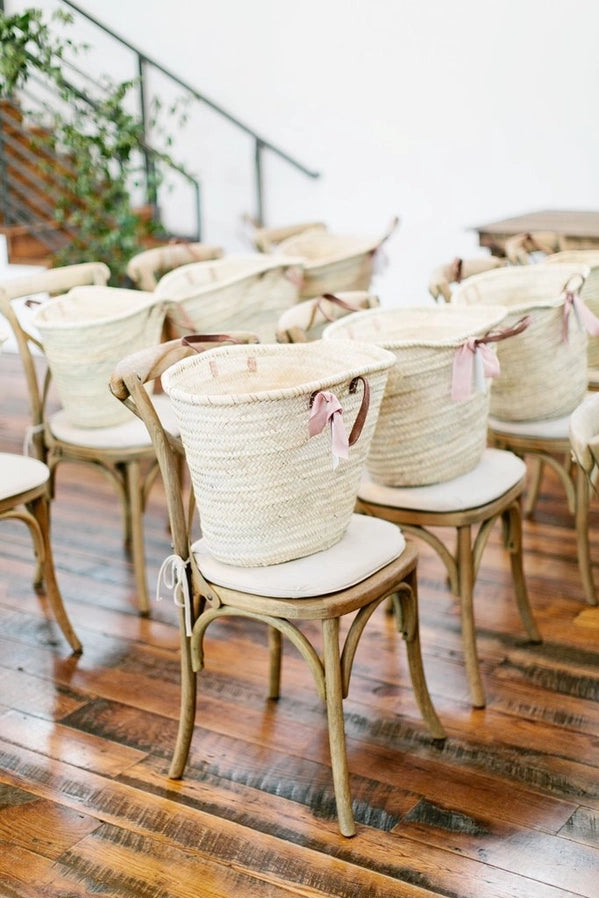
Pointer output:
x,y
508,807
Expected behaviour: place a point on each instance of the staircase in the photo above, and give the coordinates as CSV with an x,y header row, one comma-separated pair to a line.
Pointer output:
x,y
34,178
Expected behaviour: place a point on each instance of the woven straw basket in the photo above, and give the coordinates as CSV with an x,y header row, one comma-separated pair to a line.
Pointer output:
x,y
268,492
423,436
85,333
590,291
306,320
333,262
247,292
544,369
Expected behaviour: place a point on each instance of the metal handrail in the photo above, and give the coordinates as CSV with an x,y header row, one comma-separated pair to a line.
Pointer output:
x,y
260,143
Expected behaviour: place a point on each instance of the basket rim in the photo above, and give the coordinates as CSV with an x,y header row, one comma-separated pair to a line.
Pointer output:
x,y
375,365
344,324
43,324
528,273
574,256
261,262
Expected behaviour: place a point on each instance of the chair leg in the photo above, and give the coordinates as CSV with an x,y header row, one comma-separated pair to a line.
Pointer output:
x,y
535,476
513,516
275,641
582,498
334,699
187,708
135,512
407,595
40,511
465,560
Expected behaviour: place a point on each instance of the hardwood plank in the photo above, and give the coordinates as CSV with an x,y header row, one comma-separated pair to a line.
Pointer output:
x,y
390,857
506,808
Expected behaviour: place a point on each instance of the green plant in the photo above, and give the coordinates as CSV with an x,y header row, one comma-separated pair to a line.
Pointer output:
x,y
91,147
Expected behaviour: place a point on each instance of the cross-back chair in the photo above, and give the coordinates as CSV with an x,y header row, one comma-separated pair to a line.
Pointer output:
x,y
25,496
370,563
526,248
306,320
445,277
147,267
468,506
122,452
550,378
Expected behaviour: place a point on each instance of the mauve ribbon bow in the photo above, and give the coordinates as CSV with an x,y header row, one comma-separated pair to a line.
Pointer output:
x,y
327,408
472,357
583,315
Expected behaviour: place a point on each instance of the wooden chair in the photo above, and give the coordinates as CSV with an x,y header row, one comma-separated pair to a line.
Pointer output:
x,y
266,240
527,247
354,577
544,381
539,443
124,452
468,505
306,320
25,496
146,268
444,276
584,442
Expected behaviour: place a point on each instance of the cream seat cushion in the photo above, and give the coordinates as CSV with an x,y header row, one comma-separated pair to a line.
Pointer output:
x,y
131,435
546,429
496,473
19,474
367,546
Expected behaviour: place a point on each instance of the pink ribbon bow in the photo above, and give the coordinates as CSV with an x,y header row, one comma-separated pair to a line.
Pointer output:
x,y
326,409
472,358
583,314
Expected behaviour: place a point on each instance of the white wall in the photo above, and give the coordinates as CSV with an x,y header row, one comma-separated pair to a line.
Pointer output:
x,y
448,114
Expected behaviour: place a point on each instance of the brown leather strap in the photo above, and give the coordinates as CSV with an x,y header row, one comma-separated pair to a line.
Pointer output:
x,y
192,339
497,336
362,411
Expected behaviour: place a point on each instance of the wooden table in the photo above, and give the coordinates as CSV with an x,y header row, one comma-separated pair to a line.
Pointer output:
x,y
576,230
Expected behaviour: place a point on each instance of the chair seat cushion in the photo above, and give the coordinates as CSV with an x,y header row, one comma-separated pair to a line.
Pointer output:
x,y
20,473
547,429
367,546
133,434
497,472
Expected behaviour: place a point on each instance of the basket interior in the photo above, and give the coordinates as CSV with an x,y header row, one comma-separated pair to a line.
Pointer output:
x,y
91,304
239,373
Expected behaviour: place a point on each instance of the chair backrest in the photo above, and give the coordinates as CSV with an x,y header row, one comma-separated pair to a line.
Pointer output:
x,y
16,292
266,240
522,249
306,320
146,268
456,271
584,434
129,383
